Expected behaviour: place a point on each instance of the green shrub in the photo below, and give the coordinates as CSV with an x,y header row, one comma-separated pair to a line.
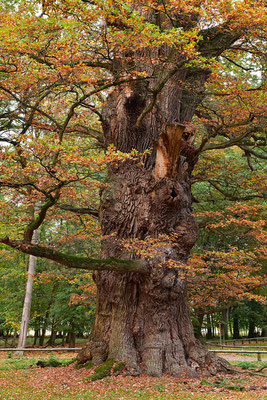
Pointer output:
x,y
55,362
223,383
20,363
251,364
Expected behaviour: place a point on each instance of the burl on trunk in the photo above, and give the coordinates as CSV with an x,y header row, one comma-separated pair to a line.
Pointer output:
x,y
143,319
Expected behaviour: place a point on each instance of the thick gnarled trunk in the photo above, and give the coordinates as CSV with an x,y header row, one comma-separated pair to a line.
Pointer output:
x,y
143,319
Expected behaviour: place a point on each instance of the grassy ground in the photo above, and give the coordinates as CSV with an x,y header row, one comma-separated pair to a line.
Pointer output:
x,y
21,379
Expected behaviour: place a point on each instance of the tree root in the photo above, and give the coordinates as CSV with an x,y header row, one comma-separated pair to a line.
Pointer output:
x,y
248,372
262,368
199,362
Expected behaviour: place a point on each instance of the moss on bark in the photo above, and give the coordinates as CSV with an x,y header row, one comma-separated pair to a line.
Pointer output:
x,y
102,370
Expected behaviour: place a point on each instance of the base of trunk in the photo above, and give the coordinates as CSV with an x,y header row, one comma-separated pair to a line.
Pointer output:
x,y
147,326
200,363
143,320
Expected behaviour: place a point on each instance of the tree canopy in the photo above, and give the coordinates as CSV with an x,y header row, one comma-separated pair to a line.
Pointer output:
x,y
60,61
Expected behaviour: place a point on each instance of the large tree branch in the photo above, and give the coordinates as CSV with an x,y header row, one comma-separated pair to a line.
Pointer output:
x,y
217,39
77,262
21,186
233,141
28,105
88,63
222,130
248,155
40,217
101,88
78,210
238,65
231,196
254,153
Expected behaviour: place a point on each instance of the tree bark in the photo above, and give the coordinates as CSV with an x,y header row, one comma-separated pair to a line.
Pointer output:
x,y
72,339
251,328
236,332
27,300
14,339
52,339
36,335
143,320
225,318
42,337
6,339
209,330
64,335
198,325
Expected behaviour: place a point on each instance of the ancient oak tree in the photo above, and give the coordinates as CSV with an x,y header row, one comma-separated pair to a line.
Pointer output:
x,y
130,76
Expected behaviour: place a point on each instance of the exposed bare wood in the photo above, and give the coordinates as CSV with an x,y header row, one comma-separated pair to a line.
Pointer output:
x,y
168,150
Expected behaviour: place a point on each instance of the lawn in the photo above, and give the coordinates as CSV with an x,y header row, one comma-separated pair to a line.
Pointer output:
x,y
23,380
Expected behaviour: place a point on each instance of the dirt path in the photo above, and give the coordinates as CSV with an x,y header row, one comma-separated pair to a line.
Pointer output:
x,y
241,357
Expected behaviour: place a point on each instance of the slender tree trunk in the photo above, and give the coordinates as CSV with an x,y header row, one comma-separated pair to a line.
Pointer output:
x,y
212,325
36,335
68,338
72,339
236,333
42,337
251,328
198,327
209,331
27,300
53,335
63,342
225,318
6,338
14,339
230,321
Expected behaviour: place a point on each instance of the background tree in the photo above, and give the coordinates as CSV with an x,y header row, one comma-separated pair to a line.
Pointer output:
x,y
27,299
